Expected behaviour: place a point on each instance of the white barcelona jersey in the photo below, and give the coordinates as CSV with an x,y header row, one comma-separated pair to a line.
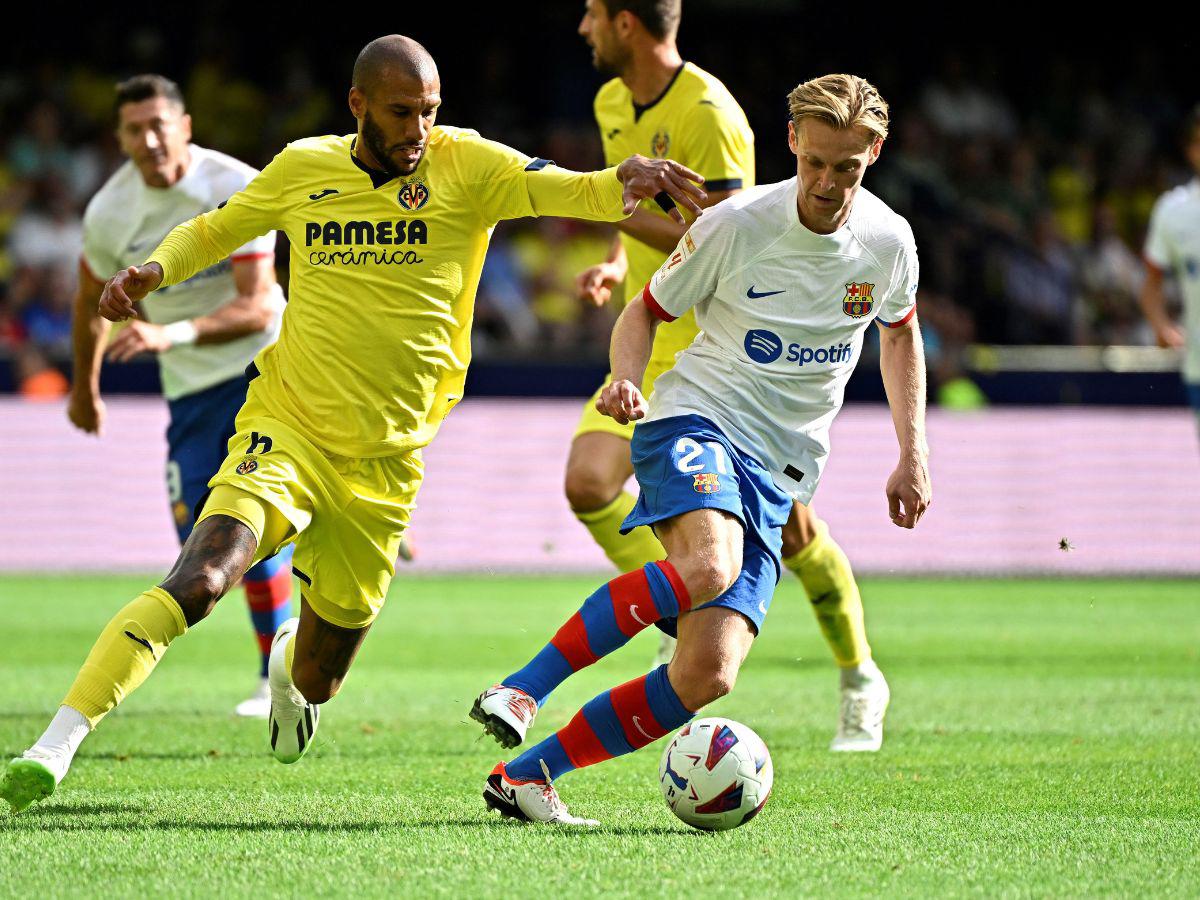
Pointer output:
x,y
782,313
1173,244
127,219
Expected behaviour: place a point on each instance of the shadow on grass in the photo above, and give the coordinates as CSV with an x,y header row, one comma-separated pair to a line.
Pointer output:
x,y
60,818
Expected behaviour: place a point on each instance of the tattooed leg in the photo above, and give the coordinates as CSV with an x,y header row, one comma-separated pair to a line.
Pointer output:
x,y
322,655
217,552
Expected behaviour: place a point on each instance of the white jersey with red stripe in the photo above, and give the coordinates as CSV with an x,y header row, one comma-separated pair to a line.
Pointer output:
x,y
127,219
782,312
1173,245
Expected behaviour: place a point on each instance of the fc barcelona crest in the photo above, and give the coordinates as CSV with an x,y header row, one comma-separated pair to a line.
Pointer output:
x,y
858,301
660,145
706,482
413,195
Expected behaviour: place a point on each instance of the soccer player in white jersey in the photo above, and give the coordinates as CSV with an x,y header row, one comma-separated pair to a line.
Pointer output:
x,y
1173,245
204,331
785,279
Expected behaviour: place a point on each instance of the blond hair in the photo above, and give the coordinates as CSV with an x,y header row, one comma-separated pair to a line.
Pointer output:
x,y
842,101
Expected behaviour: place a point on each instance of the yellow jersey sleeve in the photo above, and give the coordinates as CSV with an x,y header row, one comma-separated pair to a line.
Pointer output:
x,y
720,146
209,238
507,184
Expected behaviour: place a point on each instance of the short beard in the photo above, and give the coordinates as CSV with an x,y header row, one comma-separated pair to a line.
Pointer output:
x,y
373,139
611,67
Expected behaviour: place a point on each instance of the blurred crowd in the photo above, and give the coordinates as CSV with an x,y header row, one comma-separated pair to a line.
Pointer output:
x,y
1029,207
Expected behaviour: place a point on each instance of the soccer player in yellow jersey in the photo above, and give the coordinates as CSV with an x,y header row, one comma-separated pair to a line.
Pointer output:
x,y
388,230
659,104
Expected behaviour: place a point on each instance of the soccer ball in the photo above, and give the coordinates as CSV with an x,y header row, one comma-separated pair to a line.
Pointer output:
x,y
715,774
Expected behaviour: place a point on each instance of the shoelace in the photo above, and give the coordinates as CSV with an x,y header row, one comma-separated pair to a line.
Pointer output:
x,y
549,794
522,705
854,713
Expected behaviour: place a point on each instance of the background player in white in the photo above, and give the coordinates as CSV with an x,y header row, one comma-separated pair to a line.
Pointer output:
x,y
1173,245
785,279
204,331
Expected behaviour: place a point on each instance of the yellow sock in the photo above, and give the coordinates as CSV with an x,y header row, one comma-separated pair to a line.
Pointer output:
x,y
626,551
125,654
828,581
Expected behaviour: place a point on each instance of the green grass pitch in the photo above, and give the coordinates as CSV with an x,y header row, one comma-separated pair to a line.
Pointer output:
x,y
1042,741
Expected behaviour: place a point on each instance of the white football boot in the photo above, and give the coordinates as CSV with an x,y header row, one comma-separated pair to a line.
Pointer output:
x,y
505,713
860,718
258,704
293,720
529,801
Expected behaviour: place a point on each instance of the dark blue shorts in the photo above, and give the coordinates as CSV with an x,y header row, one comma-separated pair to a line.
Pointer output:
x,y
200,428
685,463
1193,394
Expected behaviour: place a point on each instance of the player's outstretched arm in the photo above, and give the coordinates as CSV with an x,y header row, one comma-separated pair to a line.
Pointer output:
x,y
902,364
88,334
629,352
650,179
126,288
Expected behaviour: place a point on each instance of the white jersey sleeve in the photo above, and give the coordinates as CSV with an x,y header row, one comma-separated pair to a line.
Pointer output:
x,y
99,256
900,304
691,272
1158,236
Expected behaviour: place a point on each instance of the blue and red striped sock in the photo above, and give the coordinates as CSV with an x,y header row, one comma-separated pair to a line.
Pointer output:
x,y
617,722
269,595
606,621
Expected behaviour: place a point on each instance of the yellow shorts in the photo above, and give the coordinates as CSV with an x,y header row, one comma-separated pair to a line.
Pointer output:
x,y
347,513
594,420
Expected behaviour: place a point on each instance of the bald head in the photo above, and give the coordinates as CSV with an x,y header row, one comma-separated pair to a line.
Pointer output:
x,y
393,58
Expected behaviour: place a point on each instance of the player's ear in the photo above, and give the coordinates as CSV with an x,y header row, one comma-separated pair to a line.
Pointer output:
x,y
357,101
185,126
876,149
792,136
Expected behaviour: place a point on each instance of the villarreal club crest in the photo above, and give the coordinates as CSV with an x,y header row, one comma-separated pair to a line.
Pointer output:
x,y
858,301
413,195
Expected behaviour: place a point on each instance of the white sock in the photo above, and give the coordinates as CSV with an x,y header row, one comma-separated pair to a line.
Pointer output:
x,y
860,675
58,744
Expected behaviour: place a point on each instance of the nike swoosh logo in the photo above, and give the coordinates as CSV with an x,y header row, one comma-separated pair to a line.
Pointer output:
x,y
323,194
145,643
633,612
638,726
754,295
762,607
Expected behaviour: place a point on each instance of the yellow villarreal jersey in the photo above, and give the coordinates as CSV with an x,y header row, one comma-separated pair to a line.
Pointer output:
x,y
696,122
376,335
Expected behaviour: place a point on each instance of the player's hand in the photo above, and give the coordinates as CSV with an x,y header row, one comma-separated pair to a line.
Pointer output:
x,y
136,338
645,179
86,411
126,288
909,492
1169,336
595,284
621,400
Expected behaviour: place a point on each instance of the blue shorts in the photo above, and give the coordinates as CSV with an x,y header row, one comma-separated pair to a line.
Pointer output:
x,y
200,428
1193,394
685,463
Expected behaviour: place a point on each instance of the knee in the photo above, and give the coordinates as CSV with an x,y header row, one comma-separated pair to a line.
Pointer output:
x,y
316,687
698,684
708,577
588,487
197,590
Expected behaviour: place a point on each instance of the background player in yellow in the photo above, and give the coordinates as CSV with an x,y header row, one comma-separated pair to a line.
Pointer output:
x,y
659,104
388,230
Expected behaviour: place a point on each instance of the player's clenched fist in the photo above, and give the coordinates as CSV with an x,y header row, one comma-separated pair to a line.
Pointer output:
x,y
126,288
645,179
621,400
908,490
